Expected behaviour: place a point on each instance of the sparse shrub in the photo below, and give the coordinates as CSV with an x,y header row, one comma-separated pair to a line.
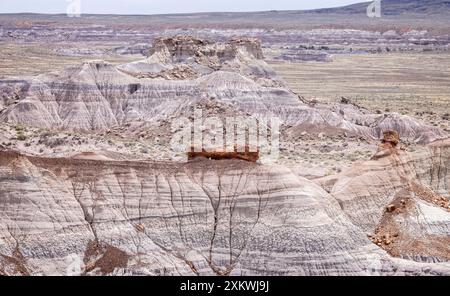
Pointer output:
x,y
21,137
55,142
19,128
47,140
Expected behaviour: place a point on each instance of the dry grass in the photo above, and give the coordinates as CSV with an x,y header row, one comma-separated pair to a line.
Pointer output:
x,y
407,83
32,59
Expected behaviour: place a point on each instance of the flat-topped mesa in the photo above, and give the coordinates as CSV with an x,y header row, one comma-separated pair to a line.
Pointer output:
x,y
252,45
178,46
181,48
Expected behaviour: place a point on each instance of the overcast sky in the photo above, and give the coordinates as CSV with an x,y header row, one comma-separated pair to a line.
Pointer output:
x,y
164,6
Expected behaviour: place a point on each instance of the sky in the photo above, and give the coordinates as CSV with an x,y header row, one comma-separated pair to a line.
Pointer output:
x,y
164,6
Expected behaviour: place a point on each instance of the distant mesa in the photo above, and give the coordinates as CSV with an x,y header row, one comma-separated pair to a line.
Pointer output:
x,y
395,7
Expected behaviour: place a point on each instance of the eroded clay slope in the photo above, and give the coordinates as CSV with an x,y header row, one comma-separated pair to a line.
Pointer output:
x,y
209,218
401,200
179,73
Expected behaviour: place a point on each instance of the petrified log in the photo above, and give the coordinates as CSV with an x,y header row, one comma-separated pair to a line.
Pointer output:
x,y
246,155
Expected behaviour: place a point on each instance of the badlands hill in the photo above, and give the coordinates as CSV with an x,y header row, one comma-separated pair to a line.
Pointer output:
x,y
111,215
182,72
385,217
